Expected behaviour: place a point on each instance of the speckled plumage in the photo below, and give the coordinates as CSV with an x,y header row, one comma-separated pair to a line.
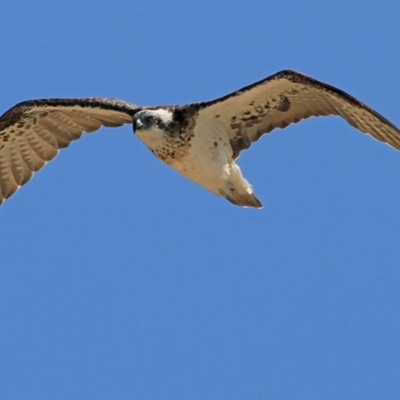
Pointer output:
x,y
199,140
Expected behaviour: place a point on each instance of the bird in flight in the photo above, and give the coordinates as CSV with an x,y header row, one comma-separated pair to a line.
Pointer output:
x,y
201,141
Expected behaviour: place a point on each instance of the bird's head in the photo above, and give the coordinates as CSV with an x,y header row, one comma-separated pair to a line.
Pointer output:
x,y
157,120
156,126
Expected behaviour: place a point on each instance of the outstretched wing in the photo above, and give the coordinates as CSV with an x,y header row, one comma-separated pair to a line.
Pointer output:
x,y
288,97
33,132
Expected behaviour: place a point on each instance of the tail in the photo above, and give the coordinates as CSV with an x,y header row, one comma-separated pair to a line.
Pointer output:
x,y
243,199
237,190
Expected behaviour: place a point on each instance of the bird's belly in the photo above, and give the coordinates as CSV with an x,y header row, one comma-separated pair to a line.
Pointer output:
x,y
209,176
205,162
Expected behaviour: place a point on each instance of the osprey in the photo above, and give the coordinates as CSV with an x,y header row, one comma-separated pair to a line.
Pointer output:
x,y
201,141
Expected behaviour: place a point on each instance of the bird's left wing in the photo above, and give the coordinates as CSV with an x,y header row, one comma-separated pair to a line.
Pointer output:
x,y
33,132
285,98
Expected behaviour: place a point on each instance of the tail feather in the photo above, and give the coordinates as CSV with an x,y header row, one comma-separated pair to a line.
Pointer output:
x,y
243,199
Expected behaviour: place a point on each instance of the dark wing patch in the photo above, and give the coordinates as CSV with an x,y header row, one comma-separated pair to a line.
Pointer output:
x,y
33,132
289,97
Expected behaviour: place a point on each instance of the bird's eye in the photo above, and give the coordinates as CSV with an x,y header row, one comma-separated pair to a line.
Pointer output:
x,y
151,119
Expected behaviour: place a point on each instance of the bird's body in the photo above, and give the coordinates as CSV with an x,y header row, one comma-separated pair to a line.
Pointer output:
x,y
203,155
201,141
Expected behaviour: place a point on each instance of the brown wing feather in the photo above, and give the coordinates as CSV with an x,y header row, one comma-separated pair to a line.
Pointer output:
x,y
289,97
33,132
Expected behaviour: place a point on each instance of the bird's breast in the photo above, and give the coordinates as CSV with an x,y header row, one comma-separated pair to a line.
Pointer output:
x,y
204,161
167,148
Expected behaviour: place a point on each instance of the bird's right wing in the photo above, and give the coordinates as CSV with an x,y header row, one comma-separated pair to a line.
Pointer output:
x,y
33,132
289,97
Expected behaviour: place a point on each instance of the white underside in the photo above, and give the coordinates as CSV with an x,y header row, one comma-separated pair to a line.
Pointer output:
x,y
209,162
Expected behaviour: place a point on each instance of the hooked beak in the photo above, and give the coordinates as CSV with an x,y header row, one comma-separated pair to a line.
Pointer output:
x,y
136,125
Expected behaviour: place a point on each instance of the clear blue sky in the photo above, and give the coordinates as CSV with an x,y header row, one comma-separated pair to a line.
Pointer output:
x,y
122,280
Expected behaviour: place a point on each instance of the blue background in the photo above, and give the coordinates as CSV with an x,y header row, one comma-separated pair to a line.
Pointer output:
x,y
120,279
